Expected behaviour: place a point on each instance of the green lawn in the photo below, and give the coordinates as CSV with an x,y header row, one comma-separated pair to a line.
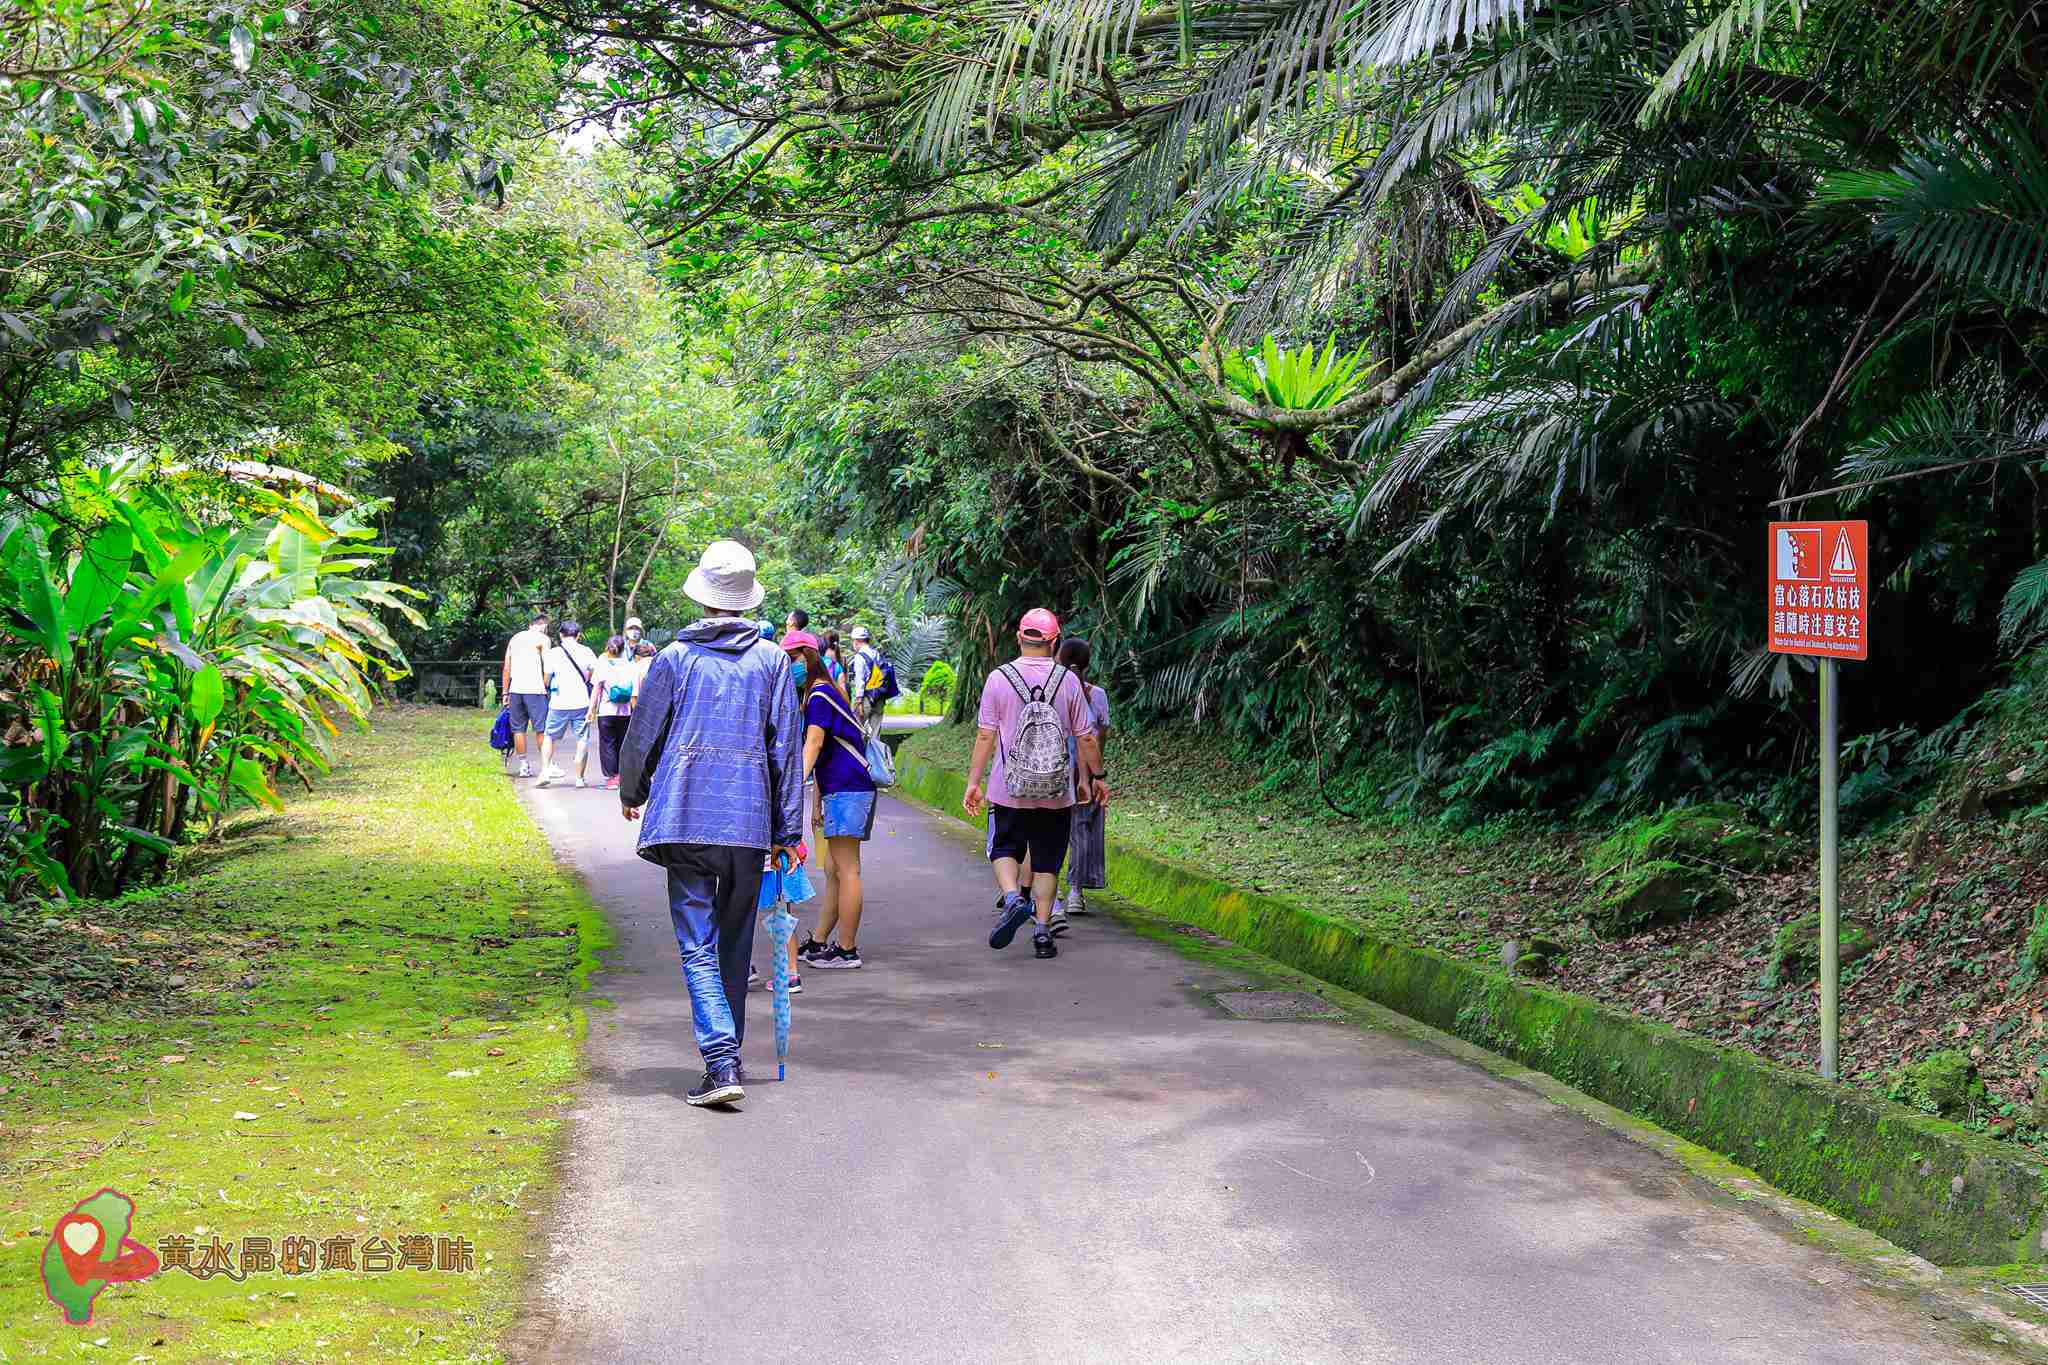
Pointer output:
x,y
356,1019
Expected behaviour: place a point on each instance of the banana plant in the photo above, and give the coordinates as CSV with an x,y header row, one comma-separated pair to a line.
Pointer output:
x,y
165,669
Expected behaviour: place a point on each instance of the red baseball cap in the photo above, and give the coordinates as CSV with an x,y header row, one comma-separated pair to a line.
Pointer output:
x,y
1039,624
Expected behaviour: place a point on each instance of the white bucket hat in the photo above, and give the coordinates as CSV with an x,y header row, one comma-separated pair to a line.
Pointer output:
x,y
724,578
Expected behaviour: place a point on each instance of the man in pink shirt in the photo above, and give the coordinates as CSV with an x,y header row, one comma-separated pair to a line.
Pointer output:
x,y
1013,726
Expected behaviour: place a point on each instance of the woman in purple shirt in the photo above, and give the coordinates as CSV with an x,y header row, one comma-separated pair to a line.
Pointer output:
x,y
835,753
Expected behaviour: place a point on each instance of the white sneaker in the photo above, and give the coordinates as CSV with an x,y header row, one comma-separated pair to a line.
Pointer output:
x,y
581,783
548,777
525,768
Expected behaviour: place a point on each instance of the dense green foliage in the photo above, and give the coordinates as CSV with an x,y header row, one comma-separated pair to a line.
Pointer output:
x,y
160,667
1030,288
1402,386
235,226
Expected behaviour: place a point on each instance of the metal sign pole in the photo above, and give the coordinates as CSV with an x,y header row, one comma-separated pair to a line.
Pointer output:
x,y
1817,600
1830,923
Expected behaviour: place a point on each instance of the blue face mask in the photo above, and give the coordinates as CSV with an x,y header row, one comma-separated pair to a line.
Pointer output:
x,y
799,669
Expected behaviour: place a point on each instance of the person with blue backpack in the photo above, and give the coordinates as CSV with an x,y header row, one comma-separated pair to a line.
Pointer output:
x,y
874,682
614,682
522,683
836,754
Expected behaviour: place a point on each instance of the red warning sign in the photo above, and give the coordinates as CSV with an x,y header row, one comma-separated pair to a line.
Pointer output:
x,y
1819,593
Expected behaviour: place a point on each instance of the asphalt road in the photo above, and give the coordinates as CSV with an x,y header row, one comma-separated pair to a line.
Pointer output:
x,y
983,1157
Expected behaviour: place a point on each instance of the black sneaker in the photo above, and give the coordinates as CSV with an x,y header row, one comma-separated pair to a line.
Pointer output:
x,y
1043,946
810,948
1010,920
836,958
721,1085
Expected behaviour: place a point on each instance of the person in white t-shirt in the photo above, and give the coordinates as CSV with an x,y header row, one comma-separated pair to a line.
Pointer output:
x,y
524,686
568,667
615,682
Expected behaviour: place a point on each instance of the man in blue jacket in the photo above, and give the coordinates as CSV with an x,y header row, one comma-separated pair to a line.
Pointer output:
x,y
712,767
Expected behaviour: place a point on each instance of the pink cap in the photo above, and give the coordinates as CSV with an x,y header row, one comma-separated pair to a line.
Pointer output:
x,y
1039,624
800,639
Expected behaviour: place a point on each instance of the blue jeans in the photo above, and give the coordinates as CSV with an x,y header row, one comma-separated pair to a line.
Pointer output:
x,y
712,892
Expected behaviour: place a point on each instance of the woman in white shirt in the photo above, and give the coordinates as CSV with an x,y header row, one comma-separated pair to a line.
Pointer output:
x,y
613,685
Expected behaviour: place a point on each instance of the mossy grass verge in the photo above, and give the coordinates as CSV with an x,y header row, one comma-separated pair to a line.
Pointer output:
x,y
1931,1186
387,978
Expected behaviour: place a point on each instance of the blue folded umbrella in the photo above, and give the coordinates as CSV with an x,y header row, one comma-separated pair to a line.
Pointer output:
x,y
778,888
793,885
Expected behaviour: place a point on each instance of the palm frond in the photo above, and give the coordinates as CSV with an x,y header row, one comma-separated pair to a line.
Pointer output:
x,y
1032,55
2025,609
1562,418
1277,56
1711,45
1978,418
1973,208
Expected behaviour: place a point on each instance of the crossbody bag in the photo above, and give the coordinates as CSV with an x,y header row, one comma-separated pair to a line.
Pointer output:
x,y
881,765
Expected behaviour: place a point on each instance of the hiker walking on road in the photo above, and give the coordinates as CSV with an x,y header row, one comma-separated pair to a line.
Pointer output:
x,y
567,668
1030,707
523,684
1088,856
614,681
835,754
867,664
713,758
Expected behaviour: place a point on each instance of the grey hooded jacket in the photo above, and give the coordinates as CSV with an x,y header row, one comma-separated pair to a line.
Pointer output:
x,y
714,754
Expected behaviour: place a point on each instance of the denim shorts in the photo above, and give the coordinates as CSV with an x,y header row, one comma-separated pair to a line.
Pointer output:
x,y
849,815
562,722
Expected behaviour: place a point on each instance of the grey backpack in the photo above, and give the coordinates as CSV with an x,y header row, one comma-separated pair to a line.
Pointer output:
x,y
1035,763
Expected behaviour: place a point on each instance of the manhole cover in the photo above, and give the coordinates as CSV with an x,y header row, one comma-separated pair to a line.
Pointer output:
x,y
2035,1294
1277,1005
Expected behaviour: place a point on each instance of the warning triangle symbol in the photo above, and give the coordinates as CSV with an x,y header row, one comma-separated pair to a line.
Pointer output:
x,y
1844,562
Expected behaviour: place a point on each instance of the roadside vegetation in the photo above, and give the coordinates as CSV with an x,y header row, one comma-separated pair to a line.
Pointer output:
x,y
355,1017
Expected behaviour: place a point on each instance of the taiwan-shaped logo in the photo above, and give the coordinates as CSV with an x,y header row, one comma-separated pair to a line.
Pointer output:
x,y
89,1250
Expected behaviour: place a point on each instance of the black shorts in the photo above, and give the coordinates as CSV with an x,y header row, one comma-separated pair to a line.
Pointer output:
x,y
1015,831
527,708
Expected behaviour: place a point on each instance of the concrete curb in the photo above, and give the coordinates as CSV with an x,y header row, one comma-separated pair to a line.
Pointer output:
x,y
1925,1184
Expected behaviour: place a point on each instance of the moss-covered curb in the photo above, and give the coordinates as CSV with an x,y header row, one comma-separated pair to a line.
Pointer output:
x,y
1951,1196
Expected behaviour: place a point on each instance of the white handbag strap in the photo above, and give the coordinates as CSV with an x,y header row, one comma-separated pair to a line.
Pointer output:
x,y
832,700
